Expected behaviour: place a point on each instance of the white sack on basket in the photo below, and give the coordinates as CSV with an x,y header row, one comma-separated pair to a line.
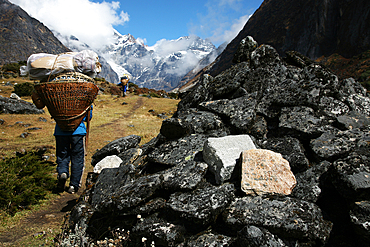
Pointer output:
x,y
87,62
42,65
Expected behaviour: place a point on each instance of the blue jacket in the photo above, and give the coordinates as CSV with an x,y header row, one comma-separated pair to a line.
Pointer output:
x,y
81,129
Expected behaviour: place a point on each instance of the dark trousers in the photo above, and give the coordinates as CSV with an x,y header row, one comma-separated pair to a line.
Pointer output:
x,y
71,148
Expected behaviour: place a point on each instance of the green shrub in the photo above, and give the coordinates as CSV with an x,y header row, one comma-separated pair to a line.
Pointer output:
x,y
173,95
154,95
24,89
14,67
365,76
24,180
132,85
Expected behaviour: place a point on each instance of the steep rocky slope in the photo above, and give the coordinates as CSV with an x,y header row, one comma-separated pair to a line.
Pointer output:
x,y
313,28
22,35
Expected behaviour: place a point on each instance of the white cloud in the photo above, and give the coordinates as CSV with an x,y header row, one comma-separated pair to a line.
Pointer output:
x,y
228,35
92,23
166,47
217,24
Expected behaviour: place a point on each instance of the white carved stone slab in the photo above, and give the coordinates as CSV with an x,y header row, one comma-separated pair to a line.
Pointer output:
x,y
222,153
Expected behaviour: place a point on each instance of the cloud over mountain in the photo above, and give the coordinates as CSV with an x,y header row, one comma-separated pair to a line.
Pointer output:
x,y
91,22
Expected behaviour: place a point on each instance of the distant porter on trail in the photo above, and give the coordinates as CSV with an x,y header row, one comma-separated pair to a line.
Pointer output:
x,y
125,79
67,89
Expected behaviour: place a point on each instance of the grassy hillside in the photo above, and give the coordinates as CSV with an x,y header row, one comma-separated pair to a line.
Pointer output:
x,y
113,117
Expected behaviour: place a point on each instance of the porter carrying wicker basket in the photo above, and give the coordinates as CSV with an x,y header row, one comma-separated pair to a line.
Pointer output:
x,y
68,97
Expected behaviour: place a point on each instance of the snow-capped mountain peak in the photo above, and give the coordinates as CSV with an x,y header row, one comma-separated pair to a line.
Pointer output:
x,y
160,66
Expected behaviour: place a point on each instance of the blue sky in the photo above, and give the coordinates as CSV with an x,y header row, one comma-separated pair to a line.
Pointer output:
x,y
155,20
147,20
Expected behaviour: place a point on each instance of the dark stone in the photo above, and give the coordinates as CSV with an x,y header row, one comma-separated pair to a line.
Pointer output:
x,y
354,120
264,55
108,181
259,128
303,121
245,48
184,177
360,218
160,231
192,121
209,239
285,217
25,134
240,112
14,106
226,83
175,152
308,182
34,128
116,147
351,177
297,59
255,237
332,107
290,148
202,206
198,94
335,144
152,206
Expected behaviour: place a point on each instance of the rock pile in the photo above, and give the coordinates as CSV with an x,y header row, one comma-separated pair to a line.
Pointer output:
x,y
271,152
15,105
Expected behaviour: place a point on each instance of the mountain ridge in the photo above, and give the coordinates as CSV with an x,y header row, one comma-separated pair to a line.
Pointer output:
x,y
22,35
312,28
161,66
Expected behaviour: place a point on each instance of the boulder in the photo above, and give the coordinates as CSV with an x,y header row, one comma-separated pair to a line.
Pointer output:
x,y
192,121
112,161
243,53
265,172
308,182
290,148
221,154
163,233
210,239
351,177
360,218
289,218
240,112
258,236
178,151
202,206
335,143
17,106
116,147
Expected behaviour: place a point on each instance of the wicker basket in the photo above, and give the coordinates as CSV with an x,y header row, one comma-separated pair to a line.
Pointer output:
x,y
68,97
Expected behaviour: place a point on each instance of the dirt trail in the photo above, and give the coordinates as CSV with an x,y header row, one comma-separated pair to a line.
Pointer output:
x,y
137,105
52,216
45,219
